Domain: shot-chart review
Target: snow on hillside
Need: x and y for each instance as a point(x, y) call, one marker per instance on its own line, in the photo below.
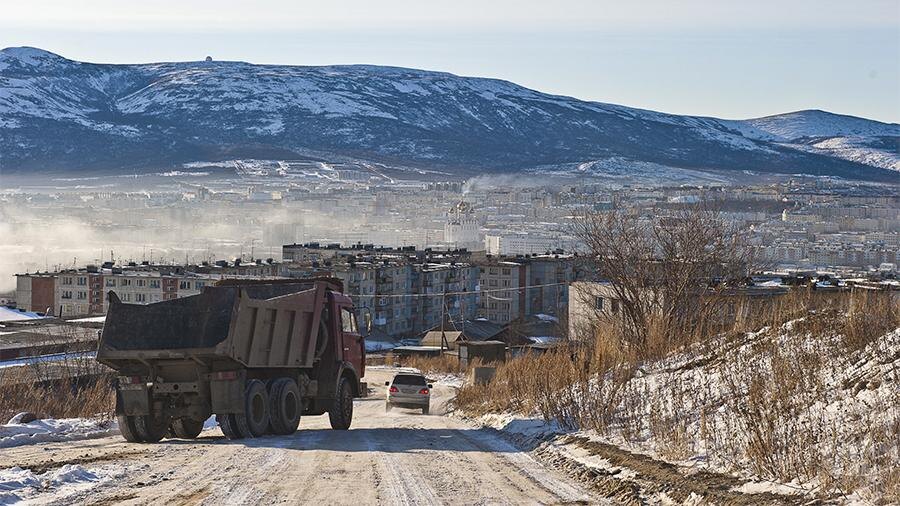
point(60, 112)
point(709, 408)
point(846, 137)
point(818, 124)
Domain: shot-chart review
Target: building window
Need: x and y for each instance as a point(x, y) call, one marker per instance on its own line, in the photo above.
point(67, 294)
point(141, 282)
point(82, 281)
point(111, 282)
point(140, 297)
point(506, 272)
point(82, 295)
point(154, 283)
point(185, 285)
point(199, 284)
point(126, 282)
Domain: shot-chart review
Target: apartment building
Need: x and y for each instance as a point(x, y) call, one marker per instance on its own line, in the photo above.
point(36, 292)
point(520, 244)
point(517, 287)
point(81, 292)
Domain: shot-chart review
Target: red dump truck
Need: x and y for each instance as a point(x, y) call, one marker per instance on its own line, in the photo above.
point(257, 354)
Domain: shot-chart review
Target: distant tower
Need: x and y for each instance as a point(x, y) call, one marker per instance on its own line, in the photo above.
point(209, 58)
point(461, 228)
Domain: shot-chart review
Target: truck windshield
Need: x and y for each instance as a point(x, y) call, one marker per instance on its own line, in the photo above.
point(409, 379)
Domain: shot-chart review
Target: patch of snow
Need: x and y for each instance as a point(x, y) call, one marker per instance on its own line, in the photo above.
point(91, 319)
point(762, 487)
point(375, 346)
point(17, 484)
point(14, 315)
point(54, 357)
point(55, 430)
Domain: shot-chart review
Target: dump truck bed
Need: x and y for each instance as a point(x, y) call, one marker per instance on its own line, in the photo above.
point(256, 324)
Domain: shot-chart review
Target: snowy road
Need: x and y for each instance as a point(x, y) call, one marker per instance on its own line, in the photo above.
point(401, 457)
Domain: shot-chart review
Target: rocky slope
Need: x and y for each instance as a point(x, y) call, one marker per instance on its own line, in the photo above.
point(57, 114)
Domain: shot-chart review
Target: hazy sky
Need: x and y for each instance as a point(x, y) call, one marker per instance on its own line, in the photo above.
point(732, 59)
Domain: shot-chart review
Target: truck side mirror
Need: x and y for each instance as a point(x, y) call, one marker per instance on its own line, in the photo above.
point(387, 383)
point(430, 386)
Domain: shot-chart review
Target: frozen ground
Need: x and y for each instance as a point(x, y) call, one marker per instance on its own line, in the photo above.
point(401, 457)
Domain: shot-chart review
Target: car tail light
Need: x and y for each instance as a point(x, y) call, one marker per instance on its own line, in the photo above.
point(394, 390)
point(225, 375)
point(424, 391)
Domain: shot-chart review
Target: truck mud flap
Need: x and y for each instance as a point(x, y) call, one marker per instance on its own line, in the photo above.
point(133, 400)
point(227, 396)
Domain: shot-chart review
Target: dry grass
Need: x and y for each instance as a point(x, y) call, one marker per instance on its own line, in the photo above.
point(432, 365)
point(73, 385)
point(63, 398)
point(748, 401)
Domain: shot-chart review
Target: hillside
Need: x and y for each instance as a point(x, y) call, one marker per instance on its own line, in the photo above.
point(57, 114)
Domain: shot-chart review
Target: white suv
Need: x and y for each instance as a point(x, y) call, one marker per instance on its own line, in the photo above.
point(408, 390)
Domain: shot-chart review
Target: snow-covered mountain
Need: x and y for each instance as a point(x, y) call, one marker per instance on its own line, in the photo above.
point(59, 114)
point(847, 137)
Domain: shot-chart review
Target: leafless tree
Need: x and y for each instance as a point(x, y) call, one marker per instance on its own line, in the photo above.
point(666, 274)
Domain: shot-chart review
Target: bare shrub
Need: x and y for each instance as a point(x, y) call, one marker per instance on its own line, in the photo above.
point(73, 384)
point(433, 365)
point(870, 315)
point(61, 398)
point(665, 274)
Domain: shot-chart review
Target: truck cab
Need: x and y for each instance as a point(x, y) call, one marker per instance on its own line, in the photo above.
point(352, 347)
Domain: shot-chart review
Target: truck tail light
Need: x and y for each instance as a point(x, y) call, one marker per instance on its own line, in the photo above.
point(394, 390)
point(225, 375)
point(424, 391)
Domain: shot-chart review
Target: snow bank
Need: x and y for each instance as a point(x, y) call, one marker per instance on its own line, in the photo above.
point(55, 430)
point(17, 484)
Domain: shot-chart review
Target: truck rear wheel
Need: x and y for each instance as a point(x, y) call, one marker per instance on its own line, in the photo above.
point(254, 421)
point(126, 427)
point(341, 413)
point(186, 428)
point(285, 406)
point(229, 426)
point(149, 429)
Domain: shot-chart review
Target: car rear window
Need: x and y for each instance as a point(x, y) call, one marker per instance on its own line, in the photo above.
point(409, 379)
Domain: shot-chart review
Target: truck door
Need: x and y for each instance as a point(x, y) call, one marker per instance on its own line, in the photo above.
point(351, 340)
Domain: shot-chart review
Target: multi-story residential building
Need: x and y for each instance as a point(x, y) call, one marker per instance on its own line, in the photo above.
point(517, 287)
point(78, 292)
point(36, 292)
point(520, 244)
